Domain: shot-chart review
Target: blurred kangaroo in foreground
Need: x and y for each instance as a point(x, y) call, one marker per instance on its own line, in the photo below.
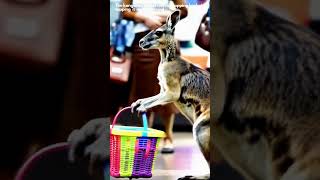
point(182, 83)
point(266, 93)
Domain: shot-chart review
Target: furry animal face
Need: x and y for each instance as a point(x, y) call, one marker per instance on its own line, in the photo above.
point(163, 36)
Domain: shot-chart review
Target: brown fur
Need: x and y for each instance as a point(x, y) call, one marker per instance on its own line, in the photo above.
point(266, 92)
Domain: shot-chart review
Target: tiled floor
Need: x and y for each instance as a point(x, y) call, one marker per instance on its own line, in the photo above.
point(187, 160)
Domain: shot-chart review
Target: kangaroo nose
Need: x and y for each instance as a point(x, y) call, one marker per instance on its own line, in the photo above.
point(141, 42)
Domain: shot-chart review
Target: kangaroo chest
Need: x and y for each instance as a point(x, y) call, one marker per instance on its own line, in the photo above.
point(161, 78)
point(167, 75)
point(187, 110)
point(167, 72)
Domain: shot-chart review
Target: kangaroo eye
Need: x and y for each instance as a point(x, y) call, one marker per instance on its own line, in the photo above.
point(158, 33)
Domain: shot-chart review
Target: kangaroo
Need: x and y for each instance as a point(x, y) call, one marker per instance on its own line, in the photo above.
point(266, 93)
point(182, 83)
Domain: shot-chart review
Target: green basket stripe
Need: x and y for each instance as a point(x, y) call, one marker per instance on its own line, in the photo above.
point(127, 152)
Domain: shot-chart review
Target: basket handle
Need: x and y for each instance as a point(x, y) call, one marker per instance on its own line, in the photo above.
point(144, 120)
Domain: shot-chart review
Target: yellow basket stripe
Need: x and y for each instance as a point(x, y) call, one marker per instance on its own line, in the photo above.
point(136, 131)
point(127, 155)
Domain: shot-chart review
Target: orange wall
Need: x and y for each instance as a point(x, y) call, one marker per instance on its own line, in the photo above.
point(298, 9)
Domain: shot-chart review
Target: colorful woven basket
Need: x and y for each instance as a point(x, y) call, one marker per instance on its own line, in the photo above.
point(133, 150)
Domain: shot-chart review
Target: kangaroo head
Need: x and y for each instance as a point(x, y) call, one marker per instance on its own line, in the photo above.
point(161, 37)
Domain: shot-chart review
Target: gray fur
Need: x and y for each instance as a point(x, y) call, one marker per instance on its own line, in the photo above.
point(267, 73)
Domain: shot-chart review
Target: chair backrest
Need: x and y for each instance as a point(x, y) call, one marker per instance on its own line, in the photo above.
point(51, 163)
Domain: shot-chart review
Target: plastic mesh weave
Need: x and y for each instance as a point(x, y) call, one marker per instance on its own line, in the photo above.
point(132, 156)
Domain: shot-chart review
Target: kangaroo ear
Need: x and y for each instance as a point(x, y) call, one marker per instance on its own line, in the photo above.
point(173, 19)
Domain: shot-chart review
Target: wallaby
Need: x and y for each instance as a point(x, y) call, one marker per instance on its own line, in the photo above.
point(266, 93)
point(182, 83)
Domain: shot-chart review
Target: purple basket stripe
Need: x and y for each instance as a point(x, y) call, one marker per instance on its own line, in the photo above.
point(142, 163)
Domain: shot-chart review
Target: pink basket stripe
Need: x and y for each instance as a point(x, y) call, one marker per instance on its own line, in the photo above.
point(115, 155)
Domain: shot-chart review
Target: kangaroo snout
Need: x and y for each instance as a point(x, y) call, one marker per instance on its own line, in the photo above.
point(145, 44)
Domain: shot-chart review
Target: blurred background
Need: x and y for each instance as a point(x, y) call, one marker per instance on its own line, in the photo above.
point(54, 73)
